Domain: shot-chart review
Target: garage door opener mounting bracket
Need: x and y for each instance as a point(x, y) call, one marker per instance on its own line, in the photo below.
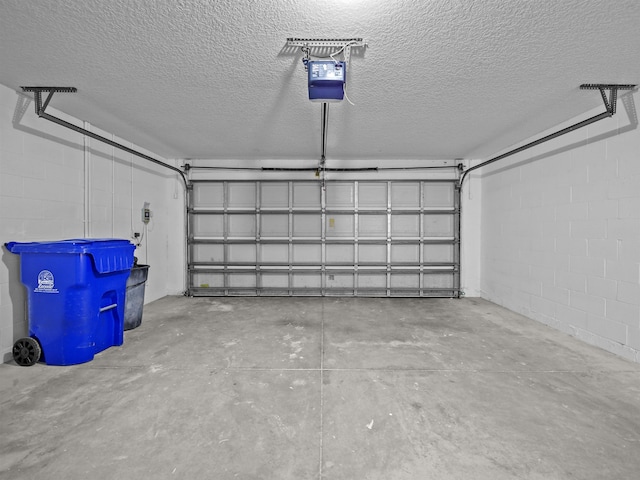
point(325, 45)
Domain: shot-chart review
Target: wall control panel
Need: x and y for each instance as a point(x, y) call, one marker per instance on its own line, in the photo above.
point(146, 213)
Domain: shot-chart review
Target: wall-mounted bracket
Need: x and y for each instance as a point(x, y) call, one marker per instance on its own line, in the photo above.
point(610, 106)
point(324, 45)
point(40, 107)
point(609, 103)
point(40, 111)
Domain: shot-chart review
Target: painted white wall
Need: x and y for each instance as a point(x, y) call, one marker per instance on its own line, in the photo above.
point(561, 231)
point(43, 171)
point(471, 228)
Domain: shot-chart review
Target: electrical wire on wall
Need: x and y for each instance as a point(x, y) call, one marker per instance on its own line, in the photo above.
point(137, 239)
point(146, 221)
point(113, 188)
point(131, 198)
point(87, 182)
point(146, 244)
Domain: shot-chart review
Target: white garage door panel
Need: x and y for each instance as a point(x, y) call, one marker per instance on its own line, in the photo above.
point(405, 195)
point(241, 195)
point(241, 253)
point(372, 196)
point(405, 281)
point(440, 280)
point(439, 196)
point(242, 281)
point(306, 195)
point(340, 280)
point(304, 254)
point(274, 225)
point(438, 253)
point(208, 226)
point(209, 195)
point(242, 226)
point(372, 226)
point(369, 238)
point(307, 281)
point(339, 254)
point(438, 226)
point(274, 254)
point(208, 280)
point(274, 195)
point(405, 226)
point(306, 225)
point(368, 254)
point(340, 226)
point(208, 253)
point(372, 281)
point(276, 281)
point(405, 254)
point(340, 195)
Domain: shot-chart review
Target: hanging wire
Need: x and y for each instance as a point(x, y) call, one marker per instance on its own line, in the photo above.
point(332, 55)
point(307, 55)
point(344, 88)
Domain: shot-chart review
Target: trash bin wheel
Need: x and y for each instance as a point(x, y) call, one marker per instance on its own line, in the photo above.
point(26, 351)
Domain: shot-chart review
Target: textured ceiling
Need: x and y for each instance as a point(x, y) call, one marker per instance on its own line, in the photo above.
point(440, 79)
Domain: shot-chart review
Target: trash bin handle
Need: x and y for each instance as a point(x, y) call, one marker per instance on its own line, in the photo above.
point(108, 307)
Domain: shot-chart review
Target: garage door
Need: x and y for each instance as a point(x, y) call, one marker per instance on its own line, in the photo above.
point(350, 238)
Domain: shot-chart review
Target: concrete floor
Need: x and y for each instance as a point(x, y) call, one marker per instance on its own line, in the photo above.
point(340, 389)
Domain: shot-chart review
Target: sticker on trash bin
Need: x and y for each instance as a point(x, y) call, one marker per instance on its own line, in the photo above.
point(46, 283)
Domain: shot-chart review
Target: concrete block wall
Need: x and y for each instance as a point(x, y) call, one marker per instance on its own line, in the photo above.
point(52, 188)
point(561, 231)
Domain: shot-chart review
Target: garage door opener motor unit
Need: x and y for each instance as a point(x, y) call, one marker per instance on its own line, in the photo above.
point(326, 79)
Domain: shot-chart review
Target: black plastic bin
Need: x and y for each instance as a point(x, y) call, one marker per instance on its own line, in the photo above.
point(135, 296)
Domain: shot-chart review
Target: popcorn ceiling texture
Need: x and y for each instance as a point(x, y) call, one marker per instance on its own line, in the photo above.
point(441, 79)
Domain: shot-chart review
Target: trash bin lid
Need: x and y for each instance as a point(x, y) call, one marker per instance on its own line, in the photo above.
point(109, 254)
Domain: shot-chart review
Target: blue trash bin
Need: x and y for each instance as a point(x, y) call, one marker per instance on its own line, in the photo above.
point(76, 297)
